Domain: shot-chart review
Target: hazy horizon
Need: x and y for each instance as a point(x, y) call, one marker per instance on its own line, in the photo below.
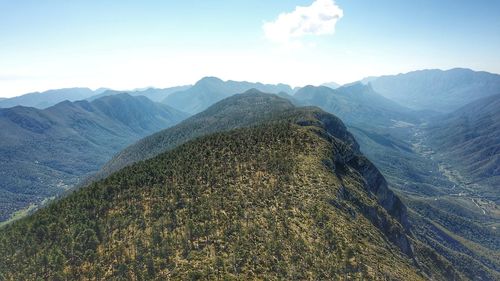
point(194, 82)
point(56, 44)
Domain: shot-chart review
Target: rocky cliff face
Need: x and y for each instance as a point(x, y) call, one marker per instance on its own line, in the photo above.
point(346, 159)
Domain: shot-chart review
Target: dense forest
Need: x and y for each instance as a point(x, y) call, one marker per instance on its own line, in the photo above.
point(287, 199)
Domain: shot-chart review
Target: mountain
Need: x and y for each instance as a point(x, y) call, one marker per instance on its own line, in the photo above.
point(49, 98)
point(290, 198)
point(437, 90)
point(445, 213)
point(210, 90)
point(45, 152)
point(153, 94)
point(470, 138)
point(355, 104)
point(237, 111)
point(332, 85)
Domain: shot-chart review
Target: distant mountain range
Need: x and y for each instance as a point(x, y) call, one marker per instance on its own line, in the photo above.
point(356, 104)
point(210, 90)
point(153, 94)
point(332, 85)
point(438, 90)
point(49, 98)
point(44, 152)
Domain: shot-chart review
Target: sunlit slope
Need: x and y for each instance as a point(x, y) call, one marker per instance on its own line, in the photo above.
point(291, 198)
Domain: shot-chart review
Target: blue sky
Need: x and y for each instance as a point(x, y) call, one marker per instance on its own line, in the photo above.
point(133, 44)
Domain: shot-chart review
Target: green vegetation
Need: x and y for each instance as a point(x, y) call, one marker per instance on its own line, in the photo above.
point(288, 199)
point(241, 110)
point(420, 164)
point(45, 152)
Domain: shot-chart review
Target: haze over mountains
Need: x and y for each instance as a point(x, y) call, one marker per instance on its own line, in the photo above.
point(45, 152)
point(442, 166)
point(438, 90)
point(153, 94)
point(470, 136)
point(356, 104)
point(48, 98)
point(210, 90)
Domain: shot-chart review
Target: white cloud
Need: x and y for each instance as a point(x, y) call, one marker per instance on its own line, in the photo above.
point(319, 18)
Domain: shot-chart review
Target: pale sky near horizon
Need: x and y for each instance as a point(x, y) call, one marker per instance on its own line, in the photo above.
point(134, 44)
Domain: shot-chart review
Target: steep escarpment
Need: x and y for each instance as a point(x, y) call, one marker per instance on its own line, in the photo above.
point(346, 158)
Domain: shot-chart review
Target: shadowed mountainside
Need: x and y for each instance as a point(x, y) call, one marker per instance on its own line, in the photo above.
point(44, 152)
point(470, 138)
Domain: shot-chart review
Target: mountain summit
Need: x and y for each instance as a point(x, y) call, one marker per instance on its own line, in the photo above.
point(210, 90)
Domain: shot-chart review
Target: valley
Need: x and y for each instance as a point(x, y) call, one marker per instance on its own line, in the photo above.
point(462, 189)
point(46, 152)
point(454, 201)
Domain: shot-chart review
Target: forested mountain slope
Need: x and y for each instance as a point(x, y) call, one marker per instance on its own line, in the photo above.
point(290, 198)
point(458, 218)
point(237, 111)
point(44, 152)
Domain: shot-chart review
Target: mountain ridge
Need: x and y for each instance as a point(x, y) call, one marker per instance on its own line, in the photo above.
point(435, 89)
point(55, 147)
point(42, 100)
point(221, 116)
point(291, 178)
point(210, 90)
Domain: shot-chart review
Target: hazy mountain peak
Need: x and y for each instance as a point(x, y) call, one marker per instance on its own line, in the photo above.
point(210, 90)
point(252, 91)
point(332, 85)
point(119, 96)
point(209, 80)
